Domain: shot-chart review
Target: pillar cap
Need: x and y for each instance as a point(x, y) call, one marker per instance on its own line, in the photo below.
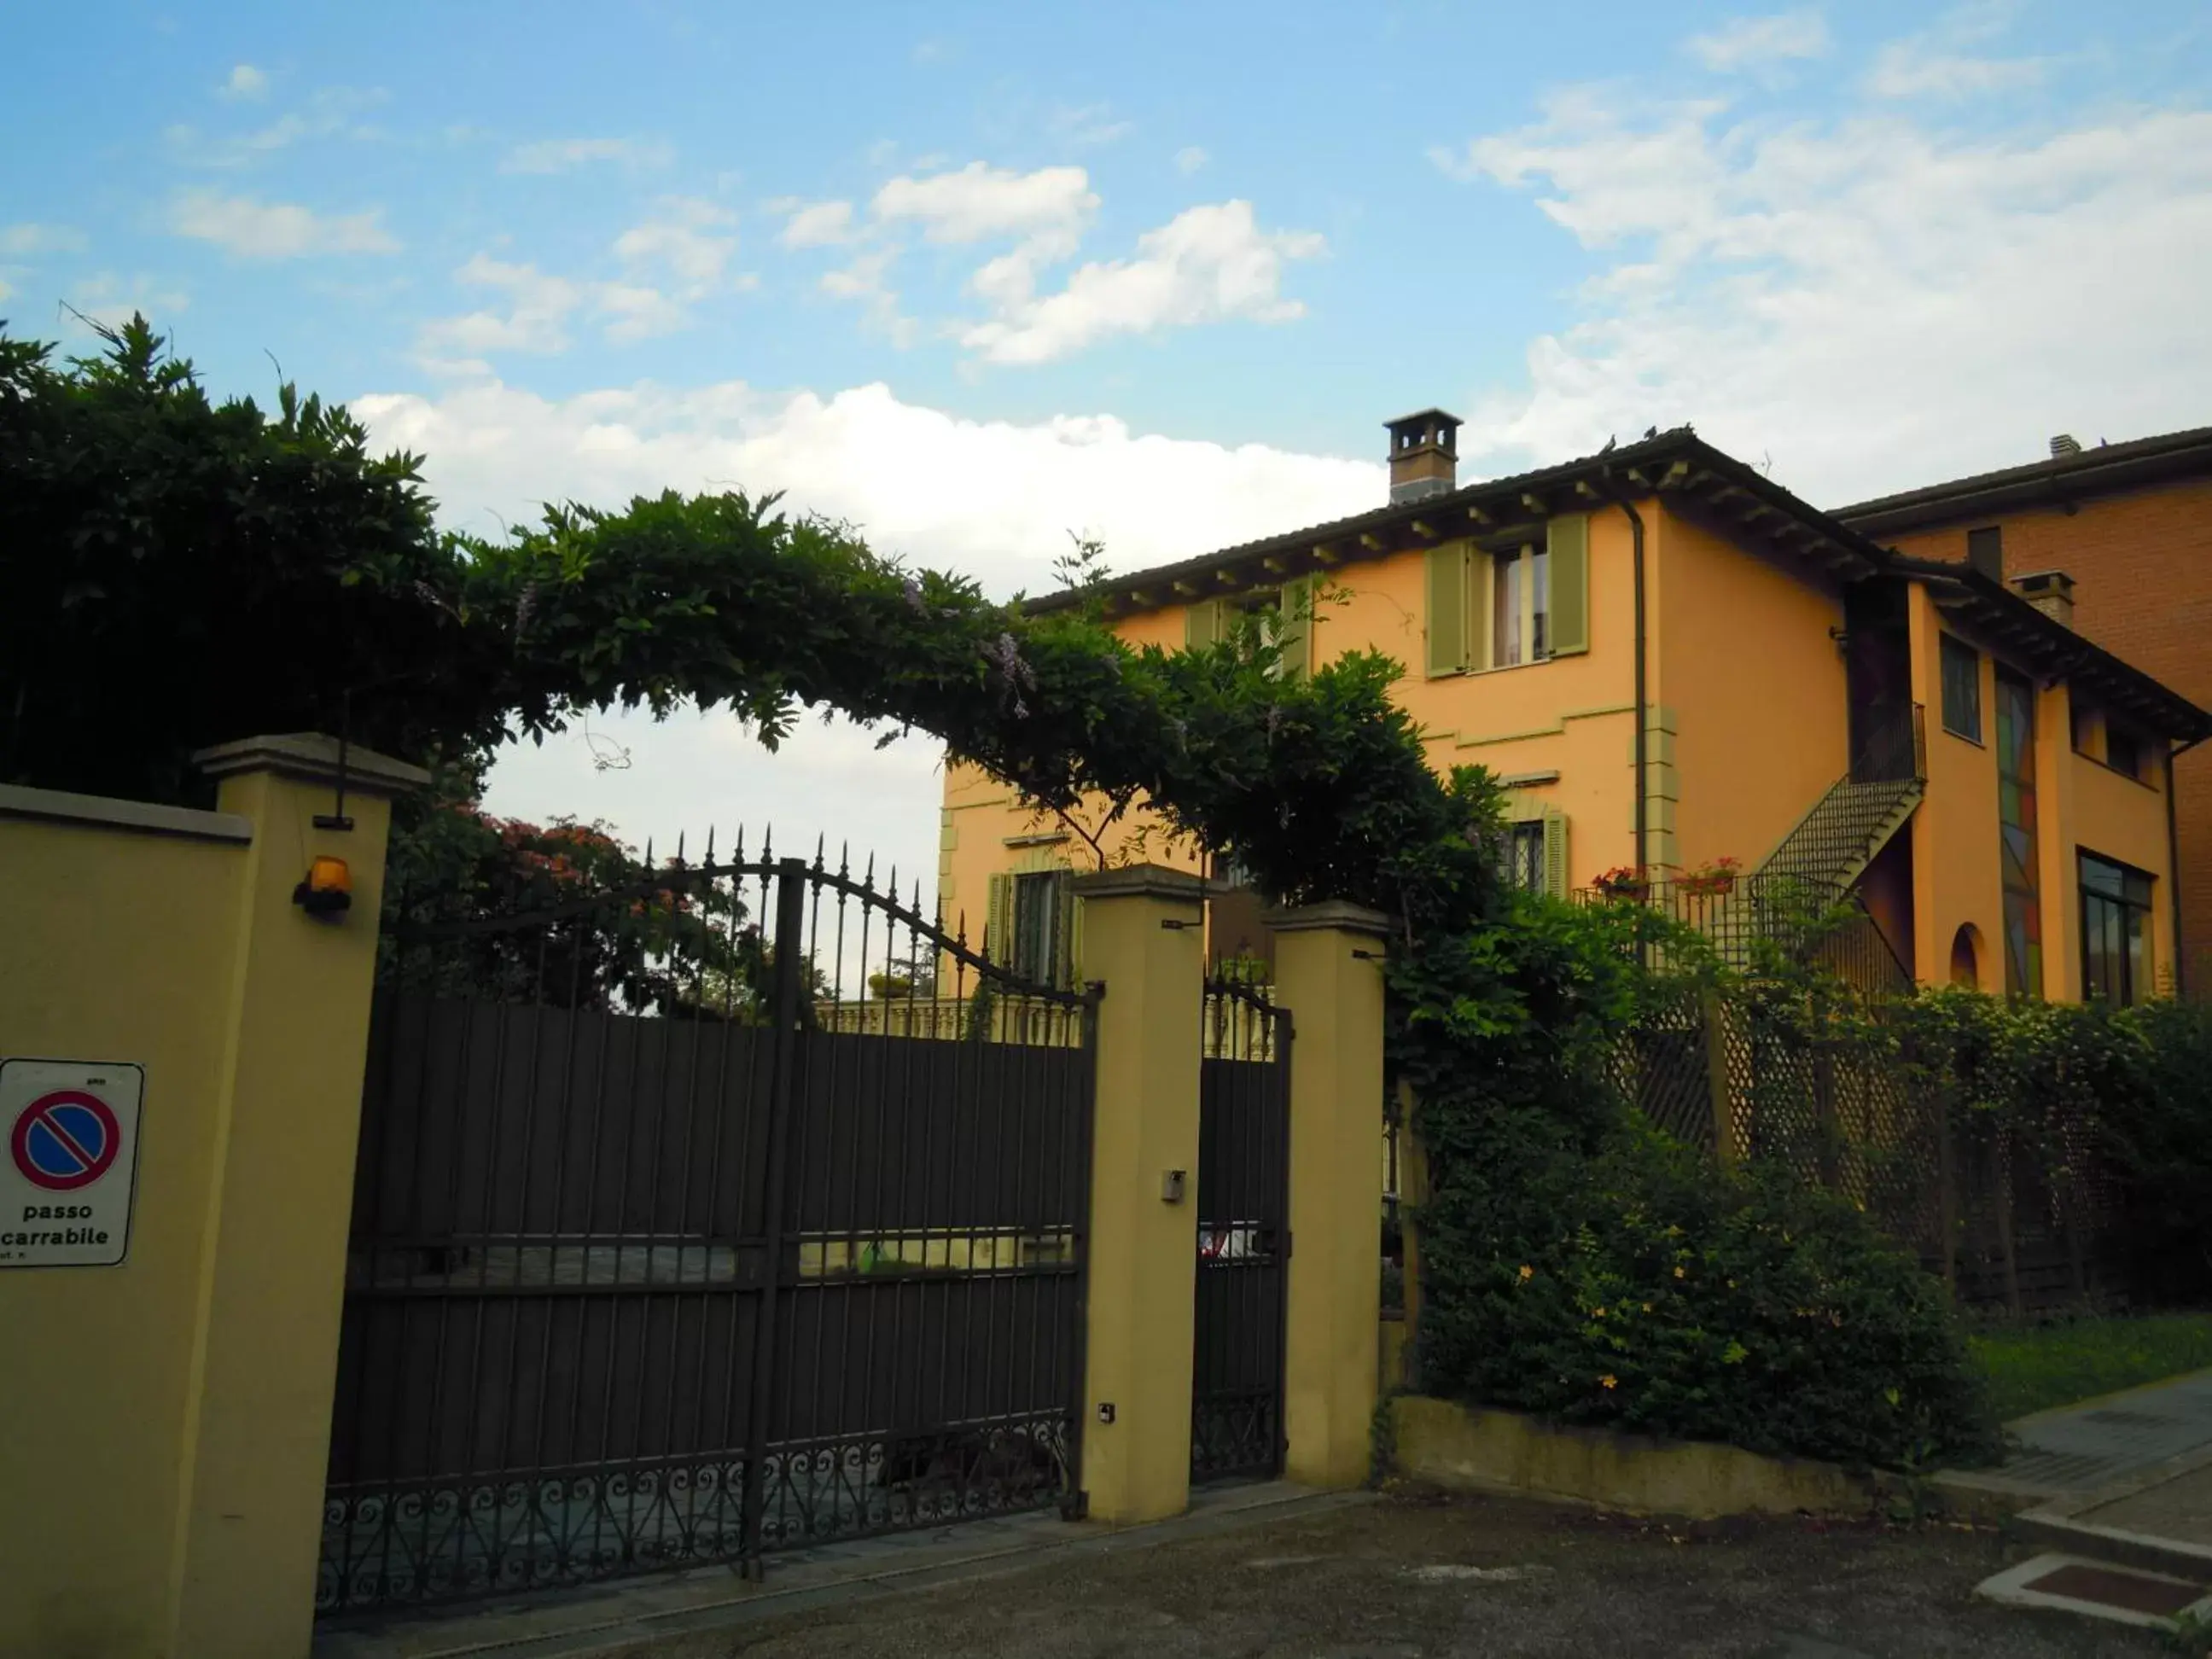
point(1340, 914)
point(312, 757)
point(1155, 881)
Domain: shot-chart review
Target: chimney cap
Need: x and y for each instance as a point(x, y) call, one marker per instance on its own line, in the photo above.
point(2065, 444)
point(1426, 426)
point(2038, 582)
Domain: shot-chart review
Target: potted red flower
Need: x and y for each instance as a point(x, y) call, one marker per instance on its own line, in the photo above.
point(1624, 882)
point(1717, 876)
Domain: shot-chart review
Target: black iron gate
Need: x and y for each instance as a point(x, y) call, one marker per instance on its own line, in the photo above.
point(1243, 1235)
point(736, 1211)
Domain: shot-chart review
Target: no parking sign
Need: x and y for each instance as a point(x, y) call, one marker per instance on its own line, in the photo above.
point(71, 1128)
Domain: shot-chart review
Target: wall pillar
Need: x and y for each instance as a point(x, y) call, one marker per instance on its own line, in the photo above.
point(258, 1411)
point(1328, 975)
point(1144, 940)
point(163, 1448)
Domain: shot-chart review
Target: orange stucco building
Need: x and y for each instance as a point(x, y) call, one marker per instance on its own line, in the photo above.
point(2115, 539)
point(1669, 661)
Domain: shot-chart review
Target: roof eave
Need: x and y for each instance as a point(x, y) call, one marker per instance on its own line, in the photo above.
point(2043, 483)
point(1673, 463)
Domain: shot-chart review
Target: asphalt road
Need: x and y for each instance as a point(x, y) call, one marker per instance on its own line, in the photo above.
point(1419, 1574)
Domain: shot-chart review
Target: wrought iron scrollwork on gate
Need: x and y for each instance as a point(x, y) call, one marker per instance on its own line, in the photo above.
point(738, 1208)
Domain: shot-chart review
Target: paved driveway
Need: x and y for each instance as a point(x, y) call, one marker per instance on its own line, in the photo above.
point(1420, 1575)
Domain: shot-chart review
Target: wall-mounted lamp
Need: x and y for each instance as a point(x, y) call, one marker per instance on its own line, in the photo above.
point(326, 891)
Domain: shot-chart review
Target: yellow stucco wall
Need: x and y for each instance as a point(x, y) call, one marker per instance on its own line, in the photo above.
point(1327, 980)
point(1749, 725)
point(1955, 880)
point(2081, 805)
point(2117, 818)
point(119, 945)
point(1142, 1292)
point(1573, 715)
point(1752, 684)
point(163, 1439)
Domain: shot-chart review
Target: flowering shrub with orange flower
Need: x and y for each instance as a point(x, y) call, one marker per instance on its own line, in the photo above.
point(661, 938)
point(1579, 1265)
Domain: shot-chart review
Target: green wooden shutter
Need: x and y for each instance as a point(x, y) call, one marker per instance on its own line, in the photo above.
point(1201, 624)
point(1555, 852)
point(1074, 934)
point(1297, 627)
point(1478, 609)
point(1567, 539)
point(999, 922)
point(1448, 609)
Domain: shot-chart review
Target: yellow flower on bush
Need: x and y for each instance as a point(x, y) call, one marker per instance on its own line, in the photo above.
point(1527, 1272)
point(1680, 1273)
point(1609, 1381)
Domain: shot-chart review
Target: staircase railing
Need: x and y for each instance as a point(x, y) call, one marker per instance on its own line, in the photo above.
point(1895, 748)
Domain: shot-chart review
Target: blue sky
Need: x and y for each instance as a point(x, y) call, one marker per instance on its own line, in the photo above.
point(971, 275)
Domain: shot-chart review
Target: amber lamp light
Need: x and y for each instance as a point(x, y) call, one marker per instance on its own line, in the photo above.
point(327, 890)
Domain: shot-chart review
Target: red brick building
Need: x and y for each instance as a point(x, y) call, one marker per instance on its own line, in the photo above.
point(2117, 540)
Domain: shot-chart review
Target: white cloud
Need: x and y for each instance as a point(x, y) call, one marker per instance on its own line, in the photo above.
point(979, 202)
point(1207, 265)
point(1937, 64)
point(23, 241)
point(565, 155)
point(1875, 303)
point(332, 112)
point(245, 82)
point(687, 240)
point(994, 500)
point(534, 319)
point(818, 224)
point(866, 282)
point(1190, 158)
point(691, 238)
point(1086, 124)
point(1751, 42)
point(276, 230)
point(635, 311)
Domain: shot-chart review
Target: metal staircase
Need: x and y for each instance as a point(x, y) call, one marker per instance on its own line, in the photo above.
point(1832, 844)
point(1817, 864)
point(1793, 893)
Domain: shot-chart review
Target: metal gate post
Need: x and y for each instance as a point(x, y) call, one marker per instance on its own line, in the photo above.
point(790, 947)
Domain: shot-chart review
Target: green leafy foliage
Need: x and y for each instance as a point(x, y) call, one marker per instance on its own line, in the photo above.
point(1579, 1265)
point(240, 572)
point(2140, 1078)
point(1641, 1288)
point(176, 573)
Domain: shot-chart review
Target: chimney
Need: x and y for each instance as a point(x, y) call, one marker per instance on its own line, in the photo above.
point(1424, 455)
point(2051, 591)
point(2063, 445)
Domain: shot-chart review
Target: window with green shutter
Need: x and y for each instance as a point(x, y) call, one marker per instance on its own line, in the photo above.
point(1448, 606)
point(1202, 624)
point(1555, 852)
point(1294, 626)
point(1567, 630)
point(999, 920)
